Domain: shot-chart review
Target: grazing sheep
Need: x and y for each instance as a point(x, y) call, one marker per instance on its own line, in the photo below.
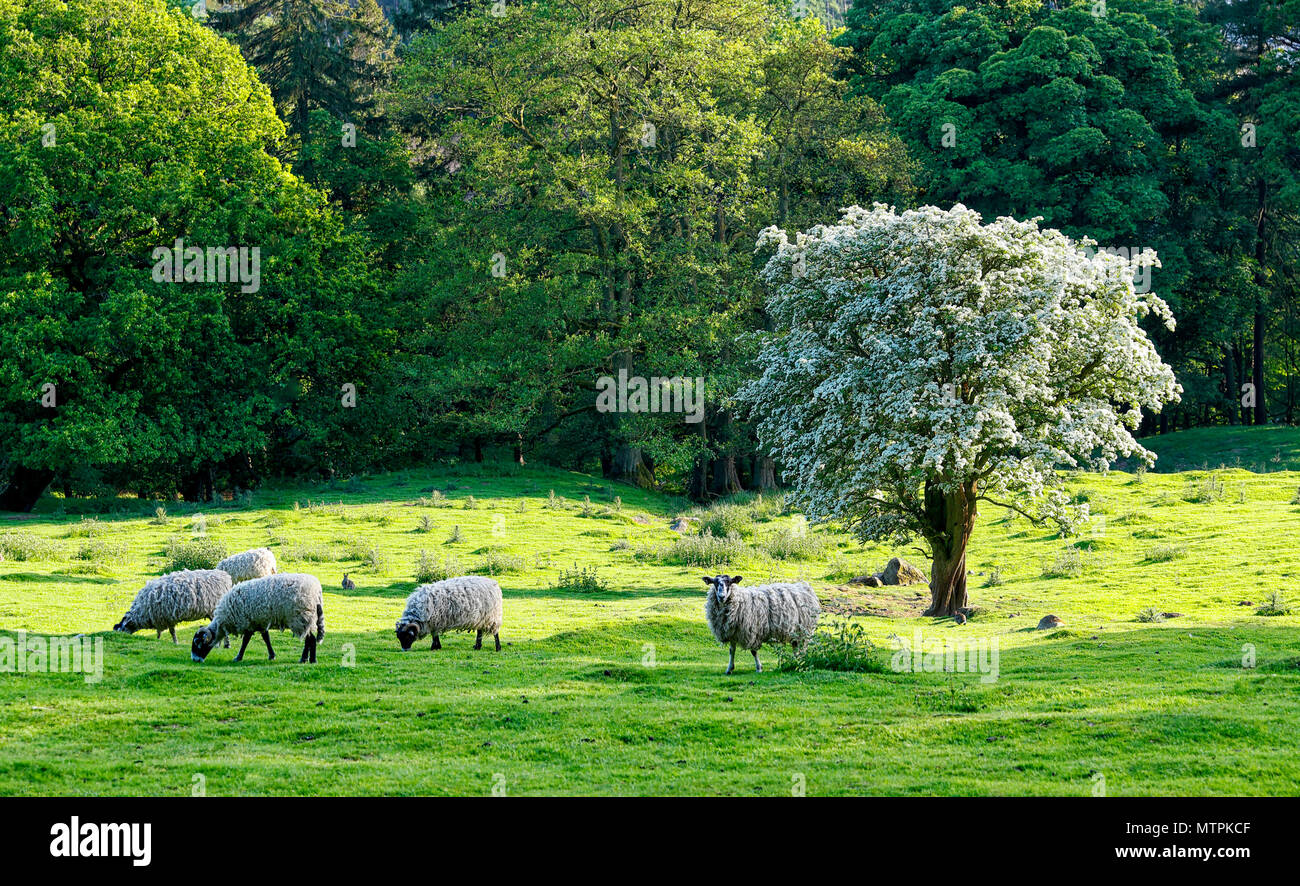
point(166, 601)
point(749, 617)
point(257, 563)
point(348, 584)
point(287, 601)
point(468, 603)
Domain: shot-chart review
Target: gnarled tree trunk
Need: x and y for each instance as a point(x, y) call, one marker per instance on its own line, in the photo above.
point(765, 473)
point(630, 465)
point(726, 479)
point(950, 519)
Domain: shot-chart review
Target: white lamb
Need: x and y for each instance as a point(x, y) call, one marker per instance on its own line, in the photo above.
point(749, 617)
point(166, 601)
point(257, 563)
point(287, 601)
point(468, 603)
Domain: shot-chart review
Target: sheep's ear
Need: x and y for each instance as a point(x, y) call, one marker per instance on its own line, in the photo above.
point(708, 579)
point(735, 579)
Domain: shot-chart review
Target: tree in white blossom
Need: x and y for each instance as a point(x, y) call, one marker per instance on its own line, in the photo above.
point(924, 362)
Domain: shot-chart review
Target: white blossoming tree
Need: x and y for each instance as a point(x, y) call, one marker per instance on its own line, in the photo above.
point(924, 362)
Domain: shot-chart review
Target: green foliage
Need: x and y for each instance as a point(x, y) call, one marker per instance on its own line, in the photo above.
point(200, 552)
point(580, 579)
point(23, 546)
point(431, 567)
point(840, 647)
point(696, 550)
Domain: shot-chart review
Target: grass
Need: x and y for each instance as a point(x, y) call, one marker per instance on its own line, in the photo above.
point(617, 688)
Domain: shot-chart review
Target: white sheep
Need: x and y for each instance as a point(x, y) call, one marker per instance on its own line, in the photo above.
point(749, 617)
point(257, 563)
point(468, 603)
point(166, 601)
point(287, 601)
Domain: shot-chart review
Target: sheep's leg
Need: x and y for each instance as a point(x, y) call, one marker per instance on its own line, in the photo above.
point(225, 642)
point(758, 665)
point(314, 641)
point(158, 634)
point(436, 644)
point(308, 648)
point(731, 661)
point(497, 637)
point(173, 632)
point(248, 635)
point(270, 653)
point(478, 640)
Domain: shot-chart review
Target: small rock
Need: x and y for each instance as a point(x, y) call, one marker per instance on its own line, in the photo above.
point(681, 524)
point(1049, 621)
point(1245, 603)
point(960, 618)
point(640, 518)
point(1173, 615)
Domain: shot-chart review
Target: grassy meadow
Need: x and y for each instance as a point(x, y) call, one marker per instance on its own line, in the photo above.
point(609, 682)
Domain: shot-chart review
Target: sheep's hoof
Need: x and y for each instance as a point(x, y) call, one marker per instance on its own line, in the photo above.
point(238, 658)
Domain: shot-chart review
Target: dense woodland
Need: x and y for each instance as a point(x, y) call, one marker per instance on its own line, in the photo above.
point(468, 213)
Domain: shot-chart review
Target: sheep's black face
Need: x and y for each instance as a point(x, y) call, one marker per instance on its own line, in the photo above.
point(204, 640)
point(125, 626)
point(406, 635)
point(722, 585)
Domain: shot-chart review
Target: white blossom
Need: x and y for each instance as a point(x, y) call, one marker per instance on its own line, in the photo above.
point(927, 346)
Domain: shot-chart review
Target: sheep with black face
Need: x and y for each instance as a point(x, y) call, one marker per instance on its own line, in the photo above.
point(165, 602)
point(750, 617)
point(467, 603)
point(285, 601)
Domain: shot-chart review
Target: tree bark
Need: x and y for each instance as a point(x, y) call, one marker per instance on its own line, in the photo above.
point(726, 479)
point(765, 474)
point(630, 466)
point(950, 518)
point(519, 450)
point(24, 488)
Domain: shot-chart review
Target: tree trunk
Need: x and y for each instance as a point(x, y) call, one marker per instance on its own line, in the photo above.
point(726, 479)
point(951, 519)
point(478, 449)
point(765, 474)
point(1261, 256)
point(24, 488)
point(630, 466)
point(1230, 381)
point(519, 450)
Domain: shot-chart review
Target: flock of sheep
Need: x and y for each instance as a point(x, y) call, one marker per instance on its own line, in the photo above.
point(245, 595)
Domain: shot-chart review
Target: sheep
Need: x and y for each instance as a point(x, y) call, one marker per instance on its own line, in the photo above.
point(166, 601)
point(750, 617)
point(468, 603)
point(257, 563)
point(288, 600)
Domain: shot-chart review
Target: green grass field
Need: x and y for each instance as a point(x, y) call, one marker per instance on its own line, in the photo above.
point(621, 691)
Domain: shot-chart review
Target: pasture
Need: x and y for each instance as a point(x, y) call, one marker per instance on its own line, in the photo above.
point(609, 682)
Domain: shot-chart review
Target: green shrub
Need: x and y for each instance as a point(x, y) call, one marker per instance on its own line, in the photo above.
point(786, 544)
point(89, 527)
point(426, 524)
point(724, 519)
point(1274, 604)
point(498, 562)
point(25, 546)
point(994, 578)
point(841, 647)
point(1151, 615)
point(621, 545)
point(1165, 553)
point(200, 552)
point(159, 516)
point(1207, 491)
point(1069, 563)
point(99, 551)
point(582, 580)
point(430, 568)
point(455, 536)
point(696, 550)
point(471, 504)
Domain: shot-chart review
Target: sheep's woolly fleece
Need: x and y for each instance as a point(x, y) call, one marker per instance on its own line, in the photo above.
point(753, 616)
point(468, 603)
point(257, 563)
point(188, 595)
point(287, 601)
